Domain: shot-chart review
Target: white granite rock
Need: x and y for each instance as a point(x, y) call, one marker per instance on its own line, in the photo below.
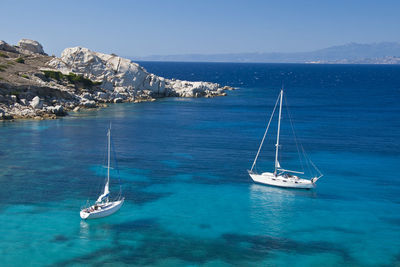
point(88, 103)
point(36, 103)
point(101, 95)
point(58, 110)
point(31, 46)
point(87, 96)
point(125, 77)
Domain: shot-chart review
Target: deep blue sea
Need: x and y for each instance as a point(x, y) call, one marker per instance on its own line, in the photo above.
point(182, 165)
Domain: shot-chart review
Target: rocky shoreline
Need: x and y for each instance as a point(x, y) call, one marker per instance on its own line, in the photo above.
point(34, 85)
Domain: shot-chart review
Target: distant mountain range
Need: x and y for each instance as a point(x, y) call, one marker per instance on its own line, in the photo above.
point(352, 53)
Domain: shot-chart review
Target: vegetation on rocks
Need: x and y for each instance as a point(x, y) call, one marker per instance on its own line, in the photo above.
point(3, 67)
point(3, 55)
point(71, 78)
point(16, 93)
point(20, 60)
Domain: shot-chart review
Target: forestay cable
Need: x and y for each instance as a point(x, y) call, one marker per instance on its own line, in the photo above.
point(265, 134)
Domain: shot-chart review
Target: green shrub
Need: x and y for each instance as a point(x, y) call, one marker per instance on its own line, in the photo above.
point(56, 75)
point(79, 79)
point(73, 78)
point(20, 60)
point(3, 67)
point(25, 76)
point(3, 55)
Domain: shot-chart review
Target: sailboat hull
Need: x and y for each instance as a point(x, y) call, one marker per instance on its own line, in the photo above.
point(269, 178)
point(106, 210)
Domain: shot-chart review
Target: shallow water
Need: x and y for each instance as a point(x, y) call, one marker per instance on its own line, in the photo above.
point(182, 166)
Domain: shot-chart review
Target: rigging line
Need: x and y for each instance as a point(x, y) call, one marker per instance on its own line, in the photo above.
point(104, 164)
point(294, 133)
point(100, 185)
point(262, 141)
point(312, 163)
point(116, 166)
point(308, 160)
point(315, 167)
point(319, 172)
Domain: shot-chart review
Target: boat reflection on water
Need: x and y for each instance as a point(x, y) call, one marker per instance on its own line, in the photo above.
point(274, 208)
point(84, 230)
point(259, 191)
point(99, 229)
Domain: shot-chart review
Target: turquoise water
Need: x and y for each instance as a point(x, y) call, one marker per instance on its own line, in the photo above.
point(183, 162)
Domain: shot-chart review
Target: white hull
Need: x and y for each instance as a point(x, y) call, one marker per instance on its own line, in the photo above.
point(106, 210)
point(269, 178)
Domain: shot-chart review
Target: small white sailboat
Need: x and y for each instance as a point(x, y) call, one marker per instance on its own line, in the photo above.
point(104, 206)
point(281, 177)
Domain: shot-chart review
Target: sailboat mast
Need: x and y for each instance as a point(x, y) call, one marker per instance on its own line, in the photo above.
point(277, 136)
point(108, 156)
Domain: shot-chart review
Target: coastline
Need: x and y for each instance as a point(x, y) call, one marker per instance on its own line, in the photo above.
point(36, 86)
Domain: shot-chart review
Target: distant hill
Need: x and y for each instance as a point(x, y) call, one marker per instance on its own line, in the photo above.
point(375, 53)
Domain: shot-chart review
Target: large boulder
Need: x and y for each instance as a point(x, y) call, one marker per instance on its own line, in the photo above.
point(14, 98)
point(31, 46)
point(87, 96)
point(36, 103)
point(57, 110)
point(121, 75)
point(101, 96)
point(118, 100)
point(6, 47)
point(88, 103)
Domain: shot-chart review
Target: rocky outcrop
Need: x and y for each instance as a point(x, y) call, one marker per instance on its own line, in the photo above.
point(126, 79)
point(31, 46)
point(57, 110)
point(34, 85)
point(6, 47)
point(36, 103)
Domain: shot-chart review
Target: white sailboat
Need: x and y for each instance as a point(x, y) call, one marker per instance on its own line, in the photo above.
point(104, 206)
point(281, 177)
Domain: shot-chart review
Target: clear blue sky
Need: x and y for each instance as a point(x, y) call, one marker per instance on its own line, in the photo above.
point(148, 27)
